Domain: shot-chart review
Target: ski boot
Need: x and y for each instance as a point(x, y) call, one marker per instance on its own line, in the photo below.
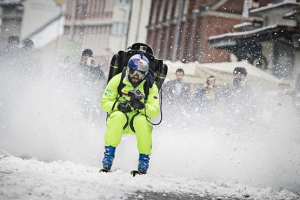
point(109, 156)
point(143, 163)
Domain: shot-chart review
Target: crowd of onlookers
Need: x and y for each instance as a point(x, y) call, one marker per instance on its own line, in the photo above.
point(235, 103)
point(20, 55)
point(22, 62)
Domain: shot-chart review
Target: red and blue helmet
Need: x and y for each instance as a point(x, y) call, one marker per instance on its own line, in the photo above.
point(138, 62)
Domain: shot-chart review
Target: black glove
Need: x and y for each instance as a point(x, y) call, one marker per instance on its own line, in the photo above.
point(136, 94)
point(135, 99)
point(124, 107)
point(137, 104)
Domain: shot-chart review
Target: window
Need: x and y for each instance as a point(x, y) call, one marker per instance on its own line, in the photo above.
point(119, 28)
point(123, 1)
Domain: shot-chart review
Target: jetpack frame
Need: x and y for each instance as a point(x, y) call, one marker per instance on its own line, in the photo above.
point(120, 60)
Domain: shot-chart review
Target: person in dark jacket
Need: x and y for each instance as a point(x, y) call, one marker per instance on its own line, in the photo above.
point(206, 96)
point(177, 90)
point(89, 67)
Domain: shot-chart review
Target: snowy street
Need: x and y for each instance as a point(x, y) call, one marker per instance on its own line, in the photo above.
point(51, 142)
point(33, 179)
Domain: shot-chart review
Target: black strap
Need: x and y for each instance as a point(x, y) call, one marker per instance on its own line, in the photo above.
point(131, 121)
point(121, 84)
point(126, 122)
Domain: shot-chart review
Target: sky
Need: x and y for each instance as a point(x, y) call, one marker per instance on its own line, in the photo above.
point(52, 143)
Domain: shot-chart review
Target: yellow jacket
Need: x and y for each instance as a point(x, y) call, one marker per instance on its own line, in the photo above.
point(110, 95)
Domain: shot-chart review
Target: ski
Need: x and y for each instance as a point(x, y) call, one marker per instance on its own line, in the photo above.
point(104, 170)
point(135, 172)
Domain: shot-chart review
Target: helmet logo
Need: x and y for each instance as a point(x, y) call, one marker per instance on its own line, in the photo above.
point(139, 63)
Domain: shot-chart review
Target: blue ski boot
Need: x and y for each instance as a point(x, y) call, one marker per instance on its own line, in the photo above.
point(109, 156)
point(143, 163)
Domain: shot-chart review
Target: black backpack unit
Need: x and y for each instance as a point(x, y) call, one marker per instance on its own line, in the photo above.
point(120, 60)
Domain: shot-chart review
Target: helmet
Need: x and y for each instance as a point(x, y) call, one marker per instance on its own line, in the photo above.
point(240, 70)
point(87, 51)
point(28, 43)
point(138, 62)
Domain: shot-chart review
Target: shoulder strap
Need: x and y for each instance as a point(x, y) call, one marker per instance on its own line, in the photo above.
point(121, 85)
point(146, 89)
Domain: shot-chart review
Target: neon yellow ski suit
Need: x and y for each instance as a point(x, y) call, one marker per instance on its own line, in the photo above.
point(134, 122)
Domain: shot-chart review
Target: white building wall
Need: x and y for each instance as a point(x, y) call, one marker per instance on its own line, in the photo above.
point(139, 21)
point(139, 18)
point(41, 15)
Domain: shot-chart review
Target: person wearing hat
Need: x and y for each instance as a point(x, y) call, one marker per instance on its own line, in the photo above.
point(239, 80)
point(12, 49)
point(89, 67)
point(206, 97)
point(130, 109)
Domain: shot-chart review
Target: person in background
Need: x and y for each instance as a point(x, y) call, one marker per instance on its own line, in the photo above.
point(28, 45)
point(177, 90)
point(206, 96)
point(239, 101)
point(176, 98)
point(10, 55)
point(12, 48)
point(30, 58)
point(89, 67)
point(240, 78)
point(129, 111)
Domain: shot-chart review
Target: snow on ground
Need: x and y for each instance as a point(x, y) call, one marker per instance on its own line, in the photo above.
point(33, 179)
point(51, 136)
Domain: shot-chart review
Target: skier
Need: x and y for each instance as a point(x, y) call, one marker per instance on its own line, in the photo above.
point(129, 112)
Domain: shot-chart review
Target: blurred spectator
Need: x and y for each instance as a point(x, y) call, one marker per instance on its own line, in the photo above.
point(9, 56)
point(12, 47)
point(30, 58)
point(89, 67)
point(177, 98)
point(239, 80)
point(239, 86)
point(92, 82)
point(240, 102)
point(177, 90)
point(207, 95)
point(28, 45)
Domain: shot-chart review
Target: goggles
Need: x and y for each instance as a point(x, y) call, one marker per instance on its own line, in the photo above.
point(134, 72)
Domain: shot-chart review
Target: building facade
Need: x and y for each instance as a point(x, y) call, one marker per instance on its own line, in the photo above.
point(180, 30)
point(210, 31)
point(105, 26)
point(270, 42)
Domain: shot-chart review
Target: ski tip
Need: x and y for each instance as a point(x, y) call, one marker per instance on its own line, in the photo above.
point(135, 172)
point(104, 170)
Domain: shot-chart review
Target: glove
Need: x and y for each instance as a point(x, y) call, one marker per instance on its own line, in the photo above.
point(137, 104)
point(124, 107)
point(136, 94)
point(135, 99)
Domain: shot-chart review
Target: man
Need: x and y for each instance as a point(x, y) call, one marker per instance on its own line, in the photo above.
point(12, 47)
point(207, 95)
point(239, 80)
point(128, 112)
point(177, 90)
point(89, 67)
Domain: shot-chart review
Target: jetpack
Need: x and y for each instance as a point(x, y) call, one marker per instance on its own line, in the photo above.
point(119, 62)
